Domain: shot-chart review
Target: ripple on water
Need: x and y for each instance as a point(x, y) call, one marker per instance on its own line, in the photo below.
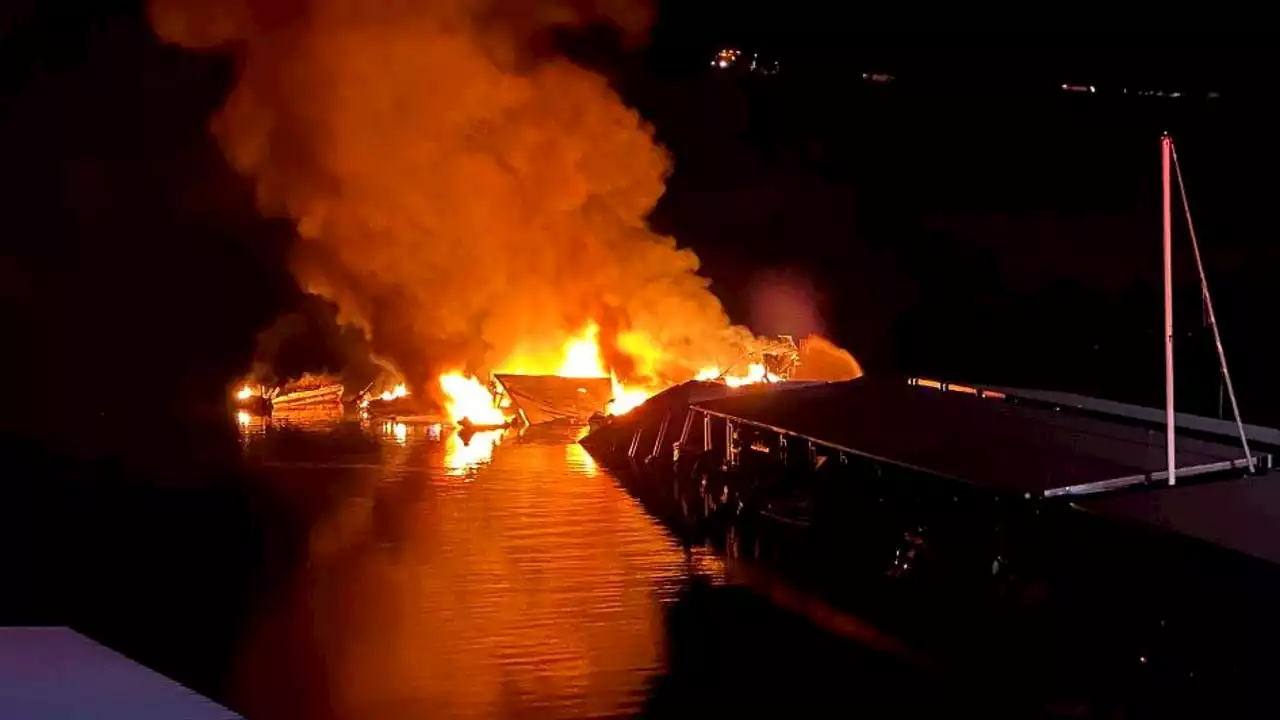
point(447, 576)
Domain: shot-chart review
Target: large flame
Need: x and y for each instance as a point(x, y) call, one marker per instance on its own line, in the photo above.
point(468, 398)
point(626, 399)
point(580, 357)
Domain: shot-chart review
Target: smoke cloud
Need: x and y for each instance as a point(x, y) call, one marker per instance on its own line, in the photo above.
point(462, 199)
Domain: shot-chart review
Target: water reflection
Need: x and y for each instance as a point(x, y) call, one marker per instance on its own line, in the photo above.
point(534, 589)
point(579, 460)
point(467, 451)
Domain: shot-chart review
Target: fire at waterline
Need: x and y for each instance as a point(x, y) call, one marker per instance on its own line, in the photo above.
point(575, 385)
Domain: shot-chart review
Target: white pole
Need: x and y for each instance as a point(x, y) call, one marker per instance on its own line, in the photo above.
point(1166, 144)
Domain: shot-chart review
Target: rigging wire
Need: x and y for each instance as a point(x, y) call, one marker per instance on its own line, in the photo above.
point(1208, 306)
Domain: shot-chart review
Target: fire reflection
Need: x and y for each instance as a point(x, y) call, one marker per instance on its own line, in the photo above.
point(536, 594)
point(466, 452)
point(579, 460)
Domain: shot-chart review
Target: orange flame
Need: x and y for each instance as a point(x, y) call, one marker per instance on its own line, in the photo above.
point(626, 399)
point(755, 373)
point(468, 398)
point(580, 357)
point(398, 391)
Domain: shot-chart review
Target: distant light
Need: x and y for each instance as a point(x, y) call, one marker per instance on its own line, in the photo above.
point(725, 58)
point(1093, 89)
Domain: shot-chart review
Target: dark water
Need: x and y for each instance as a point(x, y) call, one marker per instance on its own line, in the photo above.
point(444, 578)
point(320, 569)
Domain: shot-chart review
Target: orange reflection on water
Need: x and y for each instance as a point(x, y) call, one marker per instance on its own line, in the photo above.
point(577, 458)
point(465, 454)
point(536, 592)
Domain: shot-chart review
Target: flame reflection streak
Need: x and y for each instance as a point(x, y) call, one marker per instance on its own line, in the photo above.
point(463, 455)
point(577, 458)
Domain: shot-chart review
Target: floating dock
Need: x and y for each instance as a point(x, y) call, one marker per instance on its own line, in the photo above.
point(1032, 532)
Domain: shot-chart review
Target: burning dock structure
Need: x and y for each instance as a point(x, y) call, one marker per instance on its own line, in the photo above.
point(1029, 529)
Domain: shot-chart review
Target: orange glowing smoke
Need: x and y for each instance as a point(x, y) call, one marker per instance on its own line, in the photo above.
point(464, 199)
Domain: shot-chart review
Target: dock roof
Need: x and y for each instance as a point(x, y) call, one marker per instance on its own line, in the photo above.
point(990, 440)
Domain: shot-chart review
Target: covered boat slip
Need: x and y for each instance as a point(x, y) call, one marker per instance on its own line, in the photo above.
point(988, 439)
point(1240, 514)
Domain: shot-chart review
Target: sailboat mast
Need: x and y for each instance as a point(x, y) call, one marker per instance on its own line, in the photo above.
point(1166, 145)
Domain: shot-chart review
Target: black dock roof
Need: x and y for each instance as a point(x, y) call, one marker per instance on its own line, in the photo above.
point(988, 440)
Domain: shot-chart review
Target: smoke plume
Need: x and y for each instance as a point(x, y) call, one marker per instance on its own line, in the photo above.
point(461, 198)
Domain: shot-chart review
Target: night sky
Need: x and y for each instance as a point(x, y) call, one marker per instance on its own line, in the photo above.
point(968, 221)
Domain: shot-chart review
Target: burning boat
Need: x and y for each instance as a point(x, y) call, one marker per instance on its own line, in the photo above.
point(309, 391)
point(538, 399)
